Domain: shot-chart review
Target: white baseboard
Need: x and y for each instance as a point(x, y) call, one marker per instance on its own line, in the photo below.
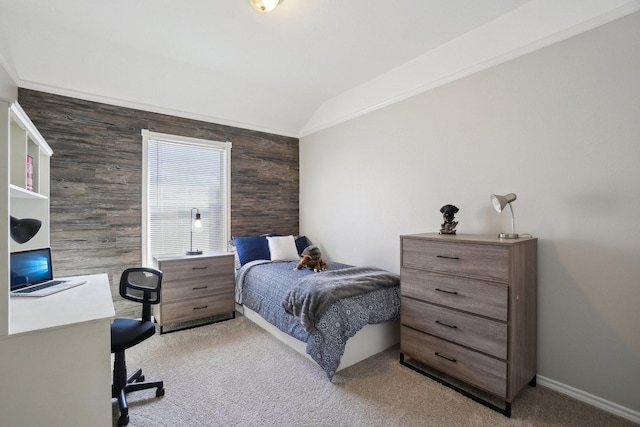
point(596, 401)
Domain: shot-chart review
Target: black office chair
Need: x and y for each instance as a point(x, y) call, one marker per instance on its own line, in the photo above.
point(142, 285)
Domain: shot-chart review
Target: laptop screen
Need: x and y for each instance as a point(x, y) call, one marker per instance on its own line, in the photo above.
point(30, 267)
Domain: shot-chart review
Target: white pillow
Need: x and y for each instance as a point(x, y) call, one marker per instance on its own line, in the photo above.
point(283, 248)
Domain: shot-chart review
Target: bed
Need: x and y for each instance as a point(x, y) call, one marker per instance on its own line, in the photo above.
point(336, 317)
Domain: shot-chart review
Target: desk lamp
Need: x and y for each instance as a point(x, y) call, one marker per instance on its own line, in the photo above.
point(196, 225)
point(499, 202)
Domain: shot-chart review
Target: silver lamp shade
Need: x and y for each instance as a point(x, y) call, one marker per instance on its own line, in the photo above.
point(499, 203)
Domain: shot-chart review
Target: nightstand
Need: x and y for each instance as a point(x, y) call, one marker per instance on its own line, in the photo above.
point(195, 288)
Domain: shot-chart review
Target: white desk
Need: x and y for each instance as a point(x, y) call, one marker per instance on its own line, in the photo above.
point(56, 361)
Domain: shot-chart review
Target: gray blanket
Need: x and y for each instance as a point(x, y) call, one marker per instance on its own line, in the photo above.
point(314, 293)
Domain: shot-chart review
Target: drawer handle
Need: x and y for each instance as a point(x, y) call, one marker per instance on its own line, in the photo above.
point(447, 292)
point(201, 307)
point(446, 324)
point(200, 287)
point(450, 359)
point(447, 257)
point(199, 268)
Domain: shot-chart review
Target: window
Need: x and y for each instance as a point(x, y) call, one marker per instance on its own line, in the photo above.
point(181, 174)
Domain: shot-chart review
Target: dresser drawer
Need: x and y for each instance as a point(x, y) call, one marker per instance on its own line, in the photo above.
point(481, 371)
point(466, 259)
point(474, 296)
point(176, 271)
point(192, 309)
point(468, 330)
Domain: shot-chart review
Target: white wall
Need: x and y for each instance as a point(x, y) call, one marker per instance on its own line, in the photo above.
point(559, 127)
point(8, 89)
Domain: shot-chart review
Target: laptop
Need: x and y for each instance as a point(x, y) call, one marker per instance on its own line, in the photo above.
point(32, 275)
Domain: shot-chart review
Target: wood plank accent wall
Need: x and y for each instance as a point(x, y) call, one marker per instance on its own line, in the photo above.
point(96, 181)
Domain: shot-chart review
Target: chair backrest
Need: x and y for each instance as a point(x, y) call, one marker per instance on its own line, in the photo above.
point(141, 284)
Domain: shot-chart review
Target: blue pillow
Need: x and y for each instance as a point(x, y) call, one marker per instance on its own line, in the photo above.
point(301, 243)
point(251, 248)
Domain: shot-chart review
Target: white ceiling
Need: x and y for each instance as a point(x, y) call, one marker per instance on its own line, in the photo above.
point(305, 66)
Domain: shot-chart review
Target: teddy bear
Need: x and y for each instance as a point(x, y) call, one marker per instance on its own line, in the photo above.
point(312, 258)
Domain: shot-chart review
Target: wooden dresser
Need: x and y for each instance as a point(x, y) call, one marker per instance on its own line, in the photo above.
point(468, 311)
point(195, 287)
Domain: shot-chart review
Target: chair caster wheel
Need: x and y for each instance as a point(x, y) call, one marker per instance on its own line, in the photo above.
point(123, 420)
point(140, 379)
point(160, 392)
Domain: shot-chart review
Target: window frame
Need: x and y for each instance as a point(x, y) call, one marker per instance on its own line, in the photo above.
point(147, 259)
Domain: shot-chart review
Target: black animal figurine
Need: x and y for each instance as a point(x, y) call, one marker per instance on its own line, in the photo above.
point(448, 214)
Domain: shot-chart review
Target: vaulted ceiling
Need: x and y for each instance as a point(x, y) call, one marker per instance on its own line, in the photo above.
point(307, 65)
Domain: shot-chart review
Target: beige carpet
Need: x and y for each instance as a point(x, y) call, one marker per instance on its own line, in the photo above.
point(235, 374)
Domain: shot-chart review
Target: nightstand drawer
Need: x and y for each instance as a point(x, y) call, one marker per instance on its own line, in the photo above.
point(466, 259)
point(481, 371)
point(193, 309)
point(176, 271)
point(474, 296)
point(468, 330)
point(197, 287)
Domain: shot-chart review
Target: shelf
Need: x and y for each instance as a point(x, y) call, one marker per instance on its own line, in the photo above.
point(22, 193)
point(25, 142)
point(20, 118)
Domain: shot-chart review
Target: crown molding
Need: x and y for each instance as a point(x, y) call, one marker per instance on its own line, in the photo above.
point(533, 26)
point(25, 84)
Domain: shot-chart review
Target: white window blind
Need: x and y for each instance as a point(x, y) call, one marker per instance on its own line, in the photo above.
point(183, 174)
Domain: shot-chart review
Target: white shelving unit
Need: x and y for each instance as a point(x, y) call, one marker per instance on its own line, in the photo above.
point(28, 201)
point(25, 140)
point(19, 138)
point(47, 338)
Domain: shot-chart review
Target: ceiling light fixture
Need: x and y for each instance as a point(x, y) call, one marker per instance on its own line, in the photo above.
point(264, 5)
